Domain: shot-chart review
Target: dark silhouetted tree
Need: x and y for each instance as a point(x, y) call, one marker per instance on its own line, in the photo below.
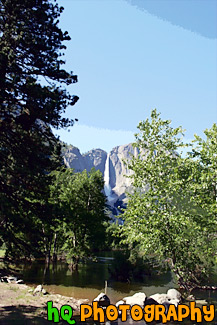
point(32, 100)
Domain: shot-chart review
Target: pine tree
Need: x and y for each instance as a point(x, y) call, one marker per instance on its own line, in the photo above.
point(32, 100)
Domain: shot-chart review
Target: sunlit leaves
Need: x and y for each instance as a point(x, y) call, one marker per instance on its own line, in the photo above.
point(172, 212)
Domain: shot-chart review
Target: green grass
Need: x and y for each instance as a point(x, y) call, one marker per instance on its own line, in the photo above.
point(14, 288)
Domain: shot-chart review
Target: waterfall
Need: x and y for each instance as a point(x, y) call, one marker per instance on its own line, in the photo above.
point(107, 187)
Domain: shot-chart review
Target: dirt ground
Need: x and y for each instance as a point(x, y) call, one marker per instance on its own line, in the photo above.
point(18, 305)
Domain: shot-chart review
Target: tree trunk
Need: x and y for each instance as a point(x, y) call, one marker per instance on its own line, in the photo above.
point(54, 258)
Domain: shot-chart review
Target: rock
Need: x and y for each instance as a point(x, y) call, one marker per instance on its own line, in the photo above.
point(166, 305)
point(150, 301)
point(136, 299)
point(201, 302)
point(12, 278)
point(190, 298)
point(103, 300)
point(5, 279)
point(120, 302)
point(174, 294)
point(82, 301)
point(119, 169)
point(160, 298)
point(93, 158)
point(174, 302)
point(73, 158)
point(164, 299)
point(38, 289)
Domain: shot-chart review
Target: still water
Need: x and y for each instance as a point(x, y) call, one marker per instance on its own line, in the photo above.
point(90, 279)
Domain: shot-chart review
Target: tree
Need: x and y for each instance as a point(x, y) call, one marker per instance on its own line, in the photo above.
point(204, 152)
point(79, 212)
point(32, 99)
point(164, 218)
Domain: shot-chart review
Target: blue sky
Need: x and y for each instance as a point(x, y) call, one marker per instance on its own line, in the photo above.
point(131, 56)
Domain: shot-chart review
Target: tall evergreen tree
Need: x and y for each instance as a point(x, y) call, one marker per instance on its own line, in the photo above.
point(32, 99)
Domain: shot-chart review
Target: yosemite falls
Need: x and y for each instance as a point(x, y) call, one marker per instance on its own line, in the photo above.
point(107, 187)
point(111, 165)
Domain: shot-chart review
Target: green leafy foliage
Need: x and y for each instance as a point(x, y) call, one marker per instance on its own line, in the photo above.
point(172, 211)
point(79, 212)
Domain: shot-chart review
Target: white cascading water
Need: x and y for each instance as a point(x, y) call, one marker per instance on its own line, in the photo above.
point(107, 187)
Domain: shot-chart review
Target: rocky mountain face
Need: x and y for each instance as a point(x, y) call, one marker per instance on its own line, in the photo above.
point(93, 158)
point(112, 165)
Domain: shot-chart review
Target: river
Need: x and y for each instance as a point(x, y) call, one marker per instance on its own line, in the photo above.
point(90, 279)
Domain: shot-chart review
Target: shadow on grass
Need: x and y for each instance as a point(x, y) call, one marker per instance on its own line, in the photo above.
point(25, 315)
point(22, 315)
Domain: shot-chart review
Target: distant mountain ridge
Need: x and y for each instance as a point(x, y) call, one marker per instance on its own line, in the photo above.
point(93, 158)
point(117, 171)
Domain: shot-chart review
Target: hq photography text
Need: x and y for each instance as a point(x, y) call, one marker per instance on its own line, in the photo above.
point(149, 313)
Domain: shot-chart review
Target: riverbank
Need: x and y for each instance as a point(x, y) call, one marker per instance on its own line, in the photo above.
point(19, 304)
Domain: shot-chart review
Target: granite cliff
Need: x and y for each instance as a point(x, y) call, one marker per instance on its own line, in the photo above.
point(112, 165)
point(93, 158)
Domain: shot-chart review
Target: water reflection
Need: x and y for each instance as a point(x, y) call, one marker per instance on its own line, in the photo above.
point(93, 274)
point(90, 278)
